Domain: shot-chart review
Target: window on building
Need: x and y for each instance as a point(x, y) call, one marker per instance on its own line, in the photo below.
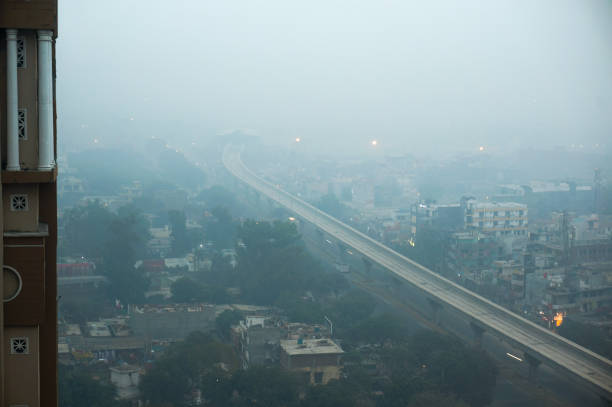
point(318, 377)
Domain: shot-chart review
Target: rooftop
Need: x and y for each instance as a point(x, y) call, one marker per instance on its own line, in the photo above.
point(498, 205)
point(310, 347)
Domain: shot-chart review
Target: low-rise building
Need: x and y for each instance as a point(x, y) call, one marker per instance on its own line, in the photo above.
point(318, 359)
point(257, 340)
point(126, 379)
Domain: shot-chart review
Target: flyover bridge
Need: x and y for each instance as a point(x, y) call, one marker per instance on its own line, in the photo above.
point(538, 344)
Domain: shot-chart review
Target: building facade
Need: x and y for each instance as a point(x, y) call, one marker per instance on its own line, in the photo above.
point(28, 319)
point(317, 359)
point(500, 218)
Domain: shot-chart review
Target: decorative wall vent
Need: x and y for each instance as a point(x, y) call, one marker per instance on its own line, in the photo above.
point(19, 202)
point(20, 346)
point(12, 283)
point(22, 119)
point(21, 53)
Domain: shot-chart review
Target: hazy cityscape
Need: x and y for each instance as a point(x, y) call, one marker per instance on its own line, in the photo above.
point(267, 203)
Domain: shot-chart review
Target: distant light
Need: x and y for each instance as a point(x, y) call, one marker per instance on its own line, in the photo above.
point(297, 139)
point(514, 357)
point(558, 318)
point(96, 141)
point(374, 143)
point(481, 148)
point(131, 119)
point(291, 218)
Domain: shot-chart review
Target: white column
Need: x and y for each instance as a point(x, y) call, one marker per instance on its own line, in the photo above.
point(45, 101)
point(12, 131)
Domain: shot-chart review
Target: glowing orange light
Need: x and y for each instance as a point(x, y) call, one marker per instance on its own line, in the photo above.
point(558, 319)
point(374, 142)
point(481, 148)
point(297, 139)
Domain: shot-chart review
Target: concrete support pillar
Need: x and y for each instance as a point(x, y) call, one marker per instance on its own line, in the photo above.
point(533, 367)
point(478, 331)
point(46, 155)
point(12, 102)
point(436, 307)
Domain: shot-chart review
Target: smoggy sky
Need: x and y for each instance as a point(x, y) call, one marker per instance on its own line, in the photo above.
point(434, 75)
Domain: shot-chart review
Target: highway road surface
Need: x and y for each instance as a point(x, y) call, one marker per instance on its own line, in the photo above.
point(540, 344)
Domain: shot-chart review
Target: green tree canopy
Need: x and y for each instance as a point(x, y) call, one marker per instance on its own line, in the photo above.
point(225, 320)
point(77, 388)
point(86, 230)
point(187, 366)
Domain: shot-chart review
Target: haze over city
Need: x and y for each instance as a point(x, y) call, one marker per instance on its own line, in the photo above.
point(421, 77)
point(306, 204)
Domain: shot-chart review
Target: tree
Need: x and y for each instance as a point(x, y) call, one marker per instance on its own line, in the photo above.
point(336, 393)
point(77, 388)
point(187, 366)
point(219, 196)
point(431, 362)
point(379, 329)
point(225, 320)
point(220, 228)
point(85, 230)
point(176, 169)
point(434, 399)
point(352, 308)
point(256, 386)
point(299, 309)
point(187, 290)
point(126, 243)
point(178, 227)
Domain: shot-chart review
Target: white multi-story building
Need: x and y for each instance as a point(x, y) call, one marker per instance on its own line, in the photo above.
point(501, 218)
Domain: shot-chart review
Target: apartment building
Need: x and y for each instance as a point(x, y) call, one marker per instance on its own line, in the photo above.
point(29, 203)
point(500, 218)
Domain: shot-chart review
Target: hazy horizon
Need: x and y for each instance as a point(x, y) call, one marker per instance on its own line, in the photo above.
point(422, 77)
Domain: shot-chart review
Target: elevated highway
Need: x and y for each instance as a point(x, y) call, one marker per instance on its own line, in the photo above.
point(538, 344)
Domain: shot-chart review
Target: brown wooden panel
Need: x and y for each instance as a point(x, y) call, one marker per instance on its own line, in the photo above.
point(29, 306)
point(33, 14)
point(24, 241)
point(28, 177)
point(48, 327)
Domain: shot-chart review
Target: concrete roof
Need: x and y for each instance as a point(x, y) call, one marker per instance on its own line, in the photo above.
point(310, 347)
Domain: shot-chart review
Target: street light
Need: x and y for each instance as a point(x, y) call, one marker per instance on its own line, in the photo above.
point(374, 143)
